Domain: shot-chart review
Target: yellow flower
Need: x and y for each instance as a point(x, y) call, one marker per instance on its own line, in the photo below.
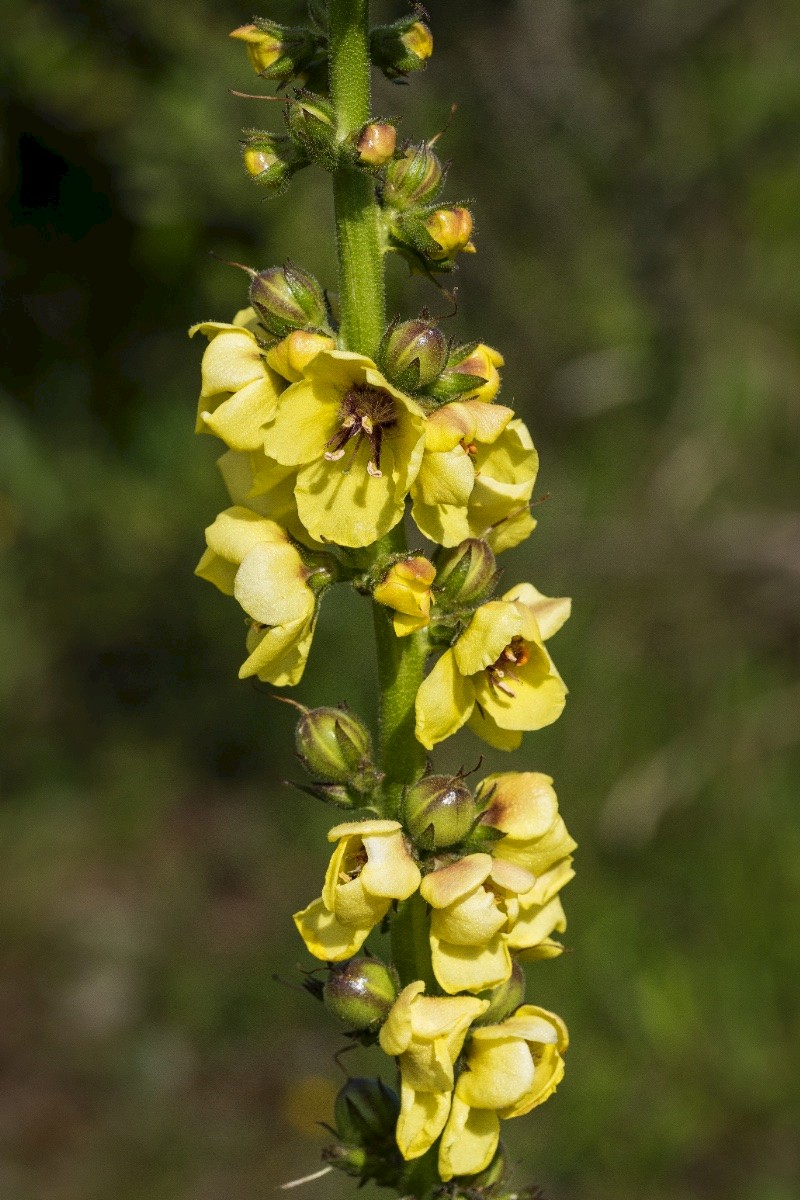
point(253, 559)
point(406, 587)
point(259, 483)
point(524, 807)
point(476, 477)
point(356, 443)
point(510, 1069)
point(425, 1034)
point(474, 902)
point(263, 49)
point(239, 392)
point(291, 355)
point(370, 867)
point(498, 676)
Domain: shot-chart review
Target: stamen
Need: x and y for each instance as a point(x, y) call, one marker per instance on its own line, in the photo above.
point(374, 470)
point(334, 455)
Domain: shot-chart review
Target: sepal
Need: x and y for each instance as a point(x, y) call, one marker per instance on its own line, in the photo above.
point(403, 47)
point(311, 122)
point(272, 159)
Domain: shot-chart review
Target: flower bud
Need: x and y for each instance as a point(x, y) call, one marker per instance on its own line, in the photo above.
point(505, 999)
point(401, 48)
point(451, 230)
point(271, 159)
point(360, 992)
point(333, 745)
point(406, 587)
point(292, 354)
point(439, 811)
point(470, 374)
point(278, 52)
point(466, 575)
point(350, 1159)
point(365, 1112)
point(413, 178)
point(288, 298)
point(413, 354)
point(376, 143)
point(312, 127)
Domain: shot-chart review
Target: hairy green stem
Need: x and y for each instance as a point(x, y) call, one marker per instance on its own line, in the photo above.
point(411, 949)
point(358, 233)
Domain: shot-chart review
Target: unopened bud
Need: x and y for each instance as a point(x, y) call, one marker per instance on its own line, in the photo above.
point(288, 298)
point(451, 230)
point(365, 1111)
point(466, 575)
point(360, 992)
point(413, 178)
point(376, 143)
point(505, 999)
point(292, 354)
point(401, 48)
point(312, 126)
point(333, 745)
point(350, 1159)
point(271, 159)
point(406, 588)
point(439, 811)
point(470, 374)
point(413, 354)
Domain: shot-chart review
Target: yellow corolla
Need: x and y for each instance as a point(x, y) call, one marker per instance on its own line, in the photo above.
point(524, 807)
point(498, 676)
point(259, 483)
point(477, 476)
point(406, 588)
point(239, 392)
point(425, 1034)
point(370, 867)
point(510, 1068)
point(356, 443)
point(254, 559)
point(474, 903)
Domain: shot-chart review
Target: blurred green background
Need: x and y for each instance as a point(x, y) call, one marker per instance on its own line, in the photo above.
point(636, 180)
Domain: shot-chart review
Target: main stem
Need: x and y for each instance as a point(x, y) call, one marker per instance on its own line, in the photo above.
point(401, 661)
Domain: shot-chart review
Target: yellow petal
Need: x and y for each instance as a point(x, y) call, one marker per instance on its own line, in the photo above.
point(231, 360)
point(325, 937)
point(445, 478)
point(538, 695)
point(469, 1140)
point(422, 1118)
point(486, 728)
point(217, 571)
point(536, 923)
point(390, 871)
point(271, 585)
point(509, 532)
point(470, 968)
point(241, 419)
point(499, 1073)
point(448, 1018)
point(278, 655)
point(305, 421)
point(292, 354)
point(550, 612)
point(362, 828)
point(511, 878)
point(522, 804)
point(487, 635)
point(396, 1031)
point(449, 884)
point(471, 921)
point(444, 702)
point(355, 906)
point(237, 530)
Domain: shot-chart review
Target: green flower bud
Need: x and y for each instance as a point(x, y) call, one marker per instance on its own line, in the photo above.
point(350, 1159)
point(312, 127)
point(376, 143)
point(365, 1112)
point(439, 811)
point(288, 298)
point(360, 992)
point(505, 999)
point(466, 575)
point(271, 159)
point(401, 48)
point(412, 354)
point(437, 234)
point(333, 745)
point(413, 178)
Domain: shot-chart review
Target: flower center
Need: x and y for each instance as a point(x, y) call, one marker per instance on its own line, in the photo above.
point(365, 414)
point(514, 655)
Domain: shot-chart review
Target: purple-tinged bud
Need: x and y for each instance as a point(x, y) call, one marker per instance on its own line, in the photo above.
point(413, 178)
point(271, 159)
point(288, 298)
point(504, 999)
point(466, 575)
point(401, 48)
point(360, 992)
point(333, 745)
point(365, 1112)
point(412, 354)
point(439, 811)
point(376, 143)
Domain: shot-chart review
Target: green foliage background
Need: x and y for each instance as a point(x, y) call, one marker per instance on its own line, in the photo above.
point(636, 181)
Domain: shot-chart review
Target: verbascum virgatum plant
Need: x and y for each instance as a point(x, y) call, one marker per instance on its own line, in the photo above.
point(342, 432)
